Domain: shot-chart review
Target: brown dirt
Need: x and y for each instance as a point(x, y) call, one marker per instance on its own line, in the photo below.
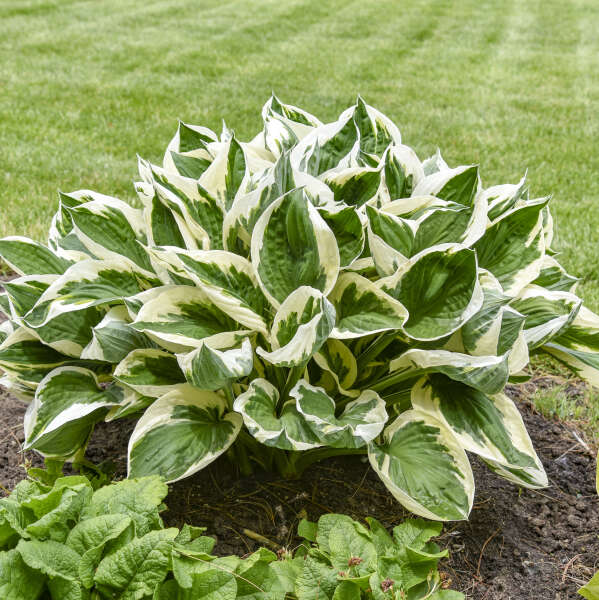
point(518, 544)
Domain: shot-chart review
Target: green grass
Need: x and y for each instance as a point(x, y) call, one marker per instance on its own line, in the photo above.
point(557, 394)
point(511, 85)
point(578, 406)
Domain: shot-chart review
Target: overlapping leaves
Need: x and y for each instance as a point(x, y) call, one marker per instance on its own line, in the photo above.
point(61, 540)
point(316, 290)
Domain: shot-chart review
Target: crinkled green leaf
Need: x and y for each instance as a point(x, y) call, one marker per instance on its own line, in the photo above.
point(138, 499)
point(134, 571)
point(50, 558)
point(89, 538)
point(18, 581)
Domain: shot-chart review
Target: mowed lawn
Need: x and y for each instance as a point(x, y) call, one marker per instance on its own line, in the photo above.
point(512, 85)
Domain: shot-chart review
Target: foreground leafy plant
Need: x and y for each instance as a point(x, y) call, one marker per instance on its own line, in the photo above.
point(67, 542)
point(316, 291)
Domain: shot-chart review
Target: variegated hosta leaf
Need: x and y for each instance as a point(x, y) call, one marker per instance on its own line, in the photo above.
point(67, 404)
point(456, 185)
point(5, 305)
point(502, 198)
point(209, 369)
point(111, 229)
point(301, 326)
point(425, 467)
point(514, 246)
point(21, 348)
point(13, 385)
point(294, 117)
point(363, 308)
point(69, 332)
point(376, 130)
point(27, 257)
point(181, 433)
point(450, 222)
point(248, 207)
point(327, 147)
point(578, 346)
point(293, 246)
point(440, 290)
point(354, 186)
point(228, 273)
point(227, 174)
point(150, 372)
point(488, 374)
point(547, 223)
point(273, 425)
point(434, 163)
point(546, 313)
point(85, 284)
point(182, 317)
point(338, 360)
point(114, 338)
point(62, 239)
point(130, 403)
point(404, 228)
point(6, 328)
point(402, 171)
point(554, 277)
point(390, 238)
point(488, 425)
point(187, 153)
point(135, 303)
point(23, 292)
point(24, 358)
point(278, 135)
point(361, 421)
point(198, 213)
point(347, 226)
point(162, 226)
point(495, 327)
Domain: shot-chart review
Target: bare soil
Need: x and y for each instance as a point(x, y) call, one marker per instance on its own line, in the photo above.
point(518, 544)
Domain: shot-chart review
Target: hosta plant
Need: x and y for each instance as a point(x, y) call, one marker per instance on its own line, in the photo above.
point(318, 290)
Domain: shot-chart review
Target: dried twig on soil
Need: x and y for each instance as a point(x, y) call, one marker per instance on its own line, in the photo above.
point(568, 565)
point(482, 550)
point(261, 539)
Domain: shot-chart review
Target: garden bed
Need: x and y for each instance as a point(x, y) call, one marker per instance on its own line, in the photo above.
point(517, 541)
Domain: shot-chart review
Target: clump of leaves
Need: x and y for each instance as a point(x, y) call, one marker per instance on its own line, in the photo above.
point(347, 561)
point(318, 290)
point(66, 541)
